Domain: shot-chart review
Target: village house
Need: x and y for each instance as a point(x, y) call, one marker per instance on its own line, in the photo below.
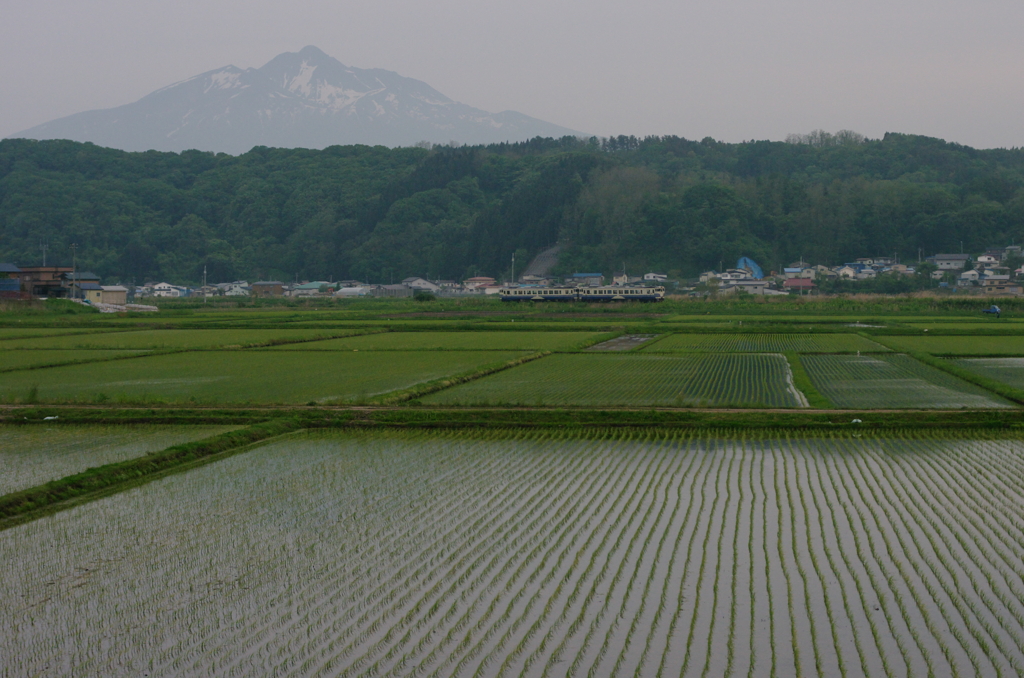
point(267, 288)
point(10, 282)
point(802, 285)
point(87, 291)
point(421, 285)
point(44, 281)
point(758, 287)
point(351, 291)
point(114, 294)
point(310, 289)
point(1001, 287)
point(238, 288)
point(163, 289)
point(655, 277)
point(70, 280)
point(949, 262)
point(848, 272)
point(968, 278)
point(478, 281)
point(586, 279)
point(391, 291)
point(824, 272)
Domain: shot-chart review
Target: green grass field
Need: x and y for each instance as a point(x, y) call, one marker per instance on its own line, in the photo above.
point(634, 379)
point(432, 341)
point(16, 360)
point(960, 345)
point(190, 338)
point(244, 376)
point(1010, 371)
point(892, 381)
point(754, 343)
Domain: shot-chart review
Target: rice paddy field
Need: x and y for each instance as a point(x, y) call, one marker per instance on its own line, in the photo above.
point(449, 341)
point(536, 554)
point(1010, 371)
point(23, 332)
point(173, 339)
point(635, 379)
point(892, 381)
point(960, 345)
point(28, 358)
point(243, 376)
point(754, 343)
point(33, 455)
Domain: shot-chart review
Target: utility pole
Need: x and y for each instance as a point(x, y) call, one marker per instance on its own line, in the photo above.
point(513, 267)
point(74, 269)
point(44, 246)
point(204, 284)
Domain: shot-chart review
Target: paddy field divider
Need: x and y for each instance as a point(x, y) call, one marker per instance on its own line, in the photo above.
point(802, 381)
point(428, 387)
point(31, 503)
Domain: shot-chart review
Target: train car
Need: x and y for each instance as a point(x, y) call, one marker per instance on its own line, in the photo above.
point(538, 294)
point(619, 293)
point(584, 294)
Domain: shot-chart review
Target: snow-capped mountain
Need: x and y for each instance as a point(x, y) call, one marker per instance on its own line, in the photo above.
point(303, 99)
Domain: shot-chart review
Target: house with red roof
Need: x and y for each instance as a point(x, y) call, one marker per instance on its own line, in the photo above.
point(802, 285)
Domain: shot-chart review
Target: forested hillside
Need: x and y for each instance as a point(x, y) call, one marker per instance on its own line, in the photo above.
point(378, 214)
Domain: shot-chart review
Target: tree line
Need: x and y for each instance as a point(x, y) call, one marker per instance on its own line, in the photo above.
point(377, 214)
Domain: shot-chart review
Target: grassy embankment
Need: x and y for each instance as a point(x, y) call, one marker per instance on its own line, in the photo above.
point(96, 482)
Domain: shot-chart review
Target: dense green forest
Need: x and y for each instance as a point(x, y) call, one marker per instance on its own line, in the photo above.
point(377, 214)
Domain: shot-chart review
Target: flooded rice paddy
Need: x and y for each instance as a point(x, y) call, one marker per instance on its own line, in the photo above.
point(536, 555)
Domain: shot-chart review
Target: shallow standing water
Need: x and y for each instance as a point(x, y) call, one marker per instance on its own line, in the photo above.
point(434, 554)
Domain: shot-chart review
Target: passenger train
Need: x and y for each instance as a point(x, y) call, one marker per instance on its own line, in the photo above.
point(585, 294)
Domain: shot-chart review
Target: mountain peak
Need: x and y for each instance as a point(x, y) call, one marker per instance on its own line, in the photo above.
point(303, 99)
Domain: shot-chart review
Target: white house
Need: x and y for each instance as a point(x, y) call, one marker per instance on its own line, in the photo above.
point(968, 278)
point(167, 290)
point(949, 262)
point(479, 281)
point(760, 287)
point(848, 272)
point(655, 277)
point(238, 288)
point(421, 284)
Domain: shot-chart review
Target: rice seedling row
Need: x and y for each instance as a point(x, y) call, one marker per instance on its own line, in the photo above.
point(34, 455)
point(537, 554)
point(897, 381)
point(960, 345)
point(609, 379)
point(773, 343)
point(937, 574)
point(1009, 371)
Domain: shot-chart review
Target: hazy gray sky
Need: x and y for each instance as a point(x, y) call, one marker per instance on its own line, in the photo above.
point(729, 69)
